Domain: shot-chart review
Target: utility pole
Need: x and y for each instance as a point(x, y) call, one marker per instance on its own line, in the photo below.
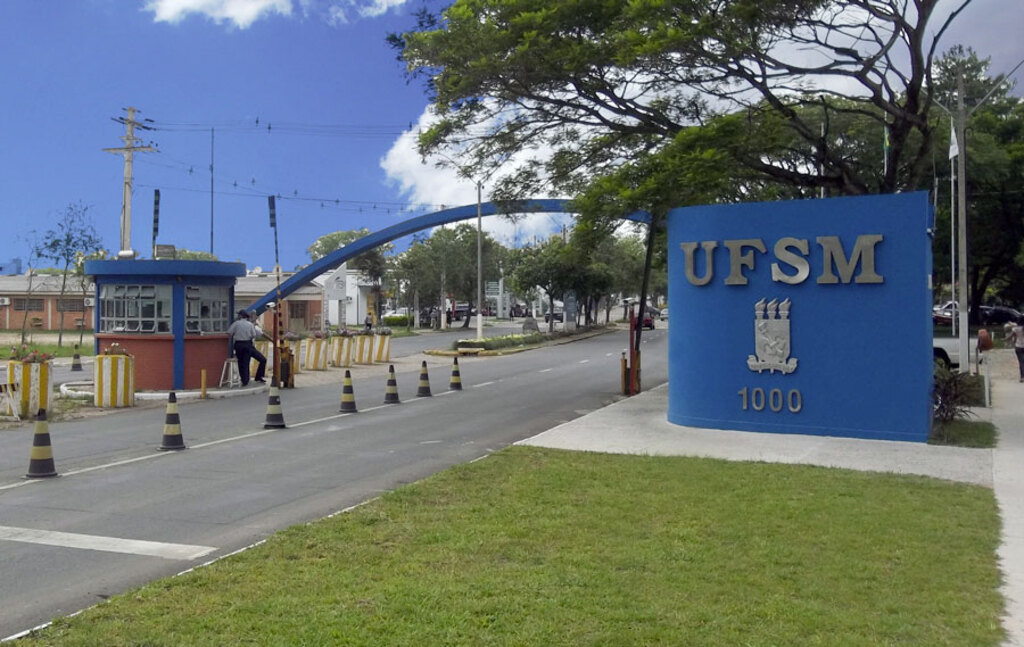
point(479, 267)
point(211, 192)
point(961, 163)
point(131, 146)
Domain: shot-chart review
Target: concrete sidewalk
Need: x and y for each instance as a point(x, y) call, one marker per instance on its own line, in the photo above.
point(638, 425)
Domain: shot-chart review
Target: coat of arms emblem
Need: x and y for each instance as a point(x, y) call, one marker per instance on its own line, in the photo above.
point(771, 338)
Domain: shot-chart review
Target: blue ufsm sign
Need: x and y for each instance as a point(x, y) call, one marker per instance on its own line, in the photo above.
point(803, 317)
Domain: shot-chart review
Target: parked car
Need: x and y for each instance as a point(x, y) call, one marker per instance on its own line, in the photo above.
point(559, 316)
point(664, 314)
point(998, 315)
point(942, 315)
point(648, 320)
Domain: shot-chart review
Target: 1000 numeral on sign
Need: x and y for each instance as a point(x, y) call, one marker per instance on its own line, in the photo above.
point(774, 400)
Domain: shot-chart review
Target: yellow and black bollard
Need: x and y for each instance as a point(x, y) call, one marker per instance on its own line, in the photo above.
point(348, 395)
point(172, 439)
point(40, 464)
point(456, 382)
point(423, 390)
point(391, 393)
point(76, 360)
point(275, 417)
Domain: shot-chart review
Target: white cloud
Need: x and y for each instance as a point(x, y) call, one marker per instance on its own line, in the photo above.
point(242, 13)
point(376, 8)
point(425, 184)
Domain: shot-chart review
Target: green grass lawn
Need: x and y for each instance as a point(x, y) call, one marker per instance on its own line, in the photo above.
point(539, 547)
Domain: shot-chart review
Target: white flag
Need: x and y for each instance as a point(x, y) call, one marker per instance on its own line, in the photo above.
point(954, 149)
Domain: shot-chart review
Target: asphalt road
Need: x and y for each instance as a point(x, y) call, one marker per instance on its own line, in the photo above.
point(123, 514)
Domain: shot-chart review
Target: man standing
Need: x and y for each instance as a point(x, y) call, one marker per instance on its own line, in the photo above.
point(242, 334)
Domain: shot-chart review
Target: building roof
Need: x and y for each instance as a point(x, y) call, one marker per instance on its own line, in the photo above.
point(18, 284)
point(256, 285)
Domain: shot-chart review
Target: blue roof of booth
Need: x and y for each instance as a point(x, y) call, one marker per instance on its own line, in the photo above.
point(164, 268)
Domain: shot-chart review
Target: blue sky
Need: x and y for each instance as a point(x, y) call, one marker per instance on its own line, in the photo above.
point(306, 100)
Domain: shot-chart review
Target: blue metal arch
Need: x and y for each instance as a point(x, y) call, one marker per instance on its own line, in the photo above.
point(411, 226)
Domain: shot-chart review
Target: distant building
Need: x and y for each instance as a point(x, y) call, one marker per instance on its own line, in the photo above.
point(12, 266)
point(35, 302)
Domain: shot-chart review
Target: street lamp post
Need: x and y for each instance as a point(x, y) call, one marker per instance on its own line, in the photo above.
point(479, 265)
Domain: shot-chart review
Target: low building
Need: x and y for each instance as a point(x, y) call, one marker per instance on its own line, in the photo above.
point(35, 302)
point(303, 309)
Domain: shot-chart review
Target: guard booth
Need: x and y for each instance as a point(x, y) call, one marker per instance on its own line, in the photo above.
point(171, 315)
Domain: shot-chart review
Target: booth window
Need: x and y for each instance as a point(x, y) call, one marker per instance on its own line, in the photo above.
point(207, 308)
point(135, 308)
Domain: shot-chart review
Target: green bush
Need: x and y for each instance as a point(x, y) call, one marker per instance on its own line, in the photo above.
point(494, 343)
point(954, 392)
point(397, 321)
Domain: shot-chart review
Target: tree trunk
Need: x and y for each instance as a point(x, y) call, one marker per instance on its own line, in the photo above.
point(61, 305)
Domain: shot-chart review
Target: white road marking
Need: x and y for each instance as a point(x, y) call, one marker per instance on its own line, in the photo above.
point(430, 442)
point(483, 384)
point(584, 361)
point(545, 370)
point(106, 544)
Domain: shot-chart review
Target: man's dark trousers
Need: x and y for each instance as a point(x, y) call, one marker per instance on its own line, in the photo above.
point(244, 351)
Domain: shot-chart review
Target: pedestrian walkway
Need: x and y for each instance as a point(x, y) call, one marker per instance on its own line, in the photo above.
point(638, 425)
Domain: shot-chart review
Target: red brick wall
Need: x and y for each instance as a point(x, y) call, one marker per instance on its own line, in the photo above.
point(206, 351)
point(154, 358)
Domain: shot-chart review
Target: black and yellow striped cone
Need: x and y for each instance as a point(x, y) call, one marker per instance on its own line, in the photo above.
point(391, 393)
point(172, 439)
point(275, 417)
point(456, 381)
point(40, 464)
point(76, 361)
point(348, 395)
point(423, 390)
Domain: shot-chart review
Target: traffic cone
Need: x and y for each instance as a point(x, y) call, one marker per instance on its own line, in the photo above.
point(391, 393)
point(40, 464)
point(423, 390)
point(76, 360)
point(172, 426)
point(275, 418)
point(348, 395)
point(456, 381)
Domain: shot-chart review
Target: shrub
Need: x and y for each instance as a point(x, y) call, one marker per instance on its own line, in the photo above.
point(397, 321)
point(494, 343)
point(953, 393)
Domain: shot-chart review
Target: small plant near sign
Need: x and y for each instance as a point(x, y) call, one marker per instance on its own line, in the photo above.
point(115, 349)
point(28, 355)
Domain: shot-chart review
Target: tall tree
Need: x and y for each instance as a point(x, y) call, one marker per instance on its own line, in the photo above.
point(373, 263)
point(601, 81)
point(995, 175)
point(73, 235)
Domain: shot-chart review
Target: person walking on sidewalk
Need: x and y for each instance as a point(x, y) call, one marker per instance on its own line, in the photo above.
point(242, 334)
point(1016, 333)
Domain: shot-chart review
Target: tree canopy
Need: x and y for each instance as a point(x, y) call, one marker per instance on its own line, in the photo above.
point(594, 83)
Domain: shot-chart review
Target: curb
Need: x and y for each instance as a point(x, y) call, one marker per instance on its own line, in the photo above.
point(511, 351)
point(82, 390)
